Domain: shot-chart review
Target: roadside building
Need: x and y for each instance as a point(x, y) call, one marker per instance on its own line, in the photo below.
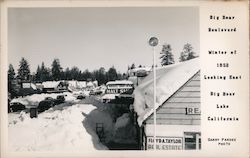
point(178, 108)
point(116, 89)
point(39, 86)
point(136, 75)
point(27, 88)
point(82, 84)
point(54, 86)
point(91, 85)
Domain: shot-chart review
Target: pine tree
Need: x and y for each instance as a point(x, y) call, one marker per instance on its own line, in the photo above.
point(187, 53)
point(112, 74)
point(38, 73)
point(74, 73)
point(56, 70)
point(87, 75)
point(24, 70)
point(167, 56)
point(11, 77)
point(102, 79)
point(67, 74)
point(45, 73)
point(11, 73)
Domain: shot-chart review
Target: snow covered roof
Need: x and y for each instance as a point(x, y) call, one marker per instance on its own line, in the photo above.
point(90, 84)
point(168, 80)
point(95, 83)
point(119, 82)
point(72, 83)
point(141, 69)
point(50, 84)
point(33, 86)
point(82, 84)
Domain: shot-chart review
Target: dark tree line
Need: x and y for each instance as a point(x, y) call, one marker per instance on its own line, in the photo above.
point(56, 72)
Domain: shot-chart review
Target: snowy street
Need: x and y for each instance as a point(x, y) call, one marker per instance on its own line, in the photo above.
point(53, 130)
point(70, 126)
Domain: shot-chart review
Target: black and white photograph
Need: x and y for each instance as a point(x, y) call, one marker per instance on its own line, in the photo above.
point(103, 78)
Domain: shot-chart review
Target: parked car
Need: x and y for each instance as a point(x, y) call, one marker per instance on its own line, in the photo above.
point(92, 92)
point(16, 106)
point(59, 99)
point(45, 104)
point(81, 96)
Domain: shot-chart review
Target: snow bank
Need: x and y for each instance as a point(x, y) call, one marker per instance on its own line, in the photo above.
point(122, 121)
point(102, 116)
point(60, 130)
point(124, 131)
point(33, 100)
point(168, 80)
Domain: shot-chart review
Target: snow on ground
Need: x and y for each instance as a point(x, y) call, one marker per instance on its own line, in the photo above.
point(168, 80)
point(101, 116)
point(124, 130)
point(33, 100)
point(122, 121)
point(59, 130)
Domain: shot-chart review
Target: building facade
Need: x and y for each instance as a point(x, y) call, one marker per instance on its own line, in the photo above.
point(178, 120)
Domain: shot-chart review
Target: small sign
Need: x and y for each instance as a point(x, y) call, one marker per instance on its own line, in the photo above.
point(117, 91)
point(26, 85)
point(193, 111)
point(165, 143)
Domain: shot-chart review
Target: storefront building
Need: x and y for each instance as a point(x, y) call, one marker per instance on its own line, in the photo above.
point(178, 111)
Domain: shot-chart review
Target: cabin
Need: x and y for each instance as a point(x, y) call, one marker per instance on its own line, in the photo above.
point(27, 88)
point(90, 85)
point(82, 84)
point(54, 86)
point(177, 108)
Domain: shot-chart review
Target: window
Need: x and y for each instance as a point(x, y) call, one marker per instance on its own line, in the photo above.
point(192, 140)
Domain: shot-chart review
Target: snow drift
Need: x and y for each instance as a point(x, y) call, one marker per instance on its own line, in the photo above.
point(60, 130)
point(168, 80)
point(124, 130)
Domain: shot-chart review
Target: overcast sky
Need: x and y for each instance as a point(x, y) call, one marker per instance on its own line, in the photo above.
point(90, 38)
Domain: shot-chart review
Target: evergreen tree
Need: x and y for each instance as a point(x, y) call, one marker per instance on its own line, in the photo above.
point(87, 75)
point(11, 77)
point(187, 53)
point(45, 73)
point(11, 73)
point(24, 70)
point(167, 57)
point(67, 74)
point(102, 79)
point(38, 73)
point(74, 73)
point(112, 74)
point(56, 70)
